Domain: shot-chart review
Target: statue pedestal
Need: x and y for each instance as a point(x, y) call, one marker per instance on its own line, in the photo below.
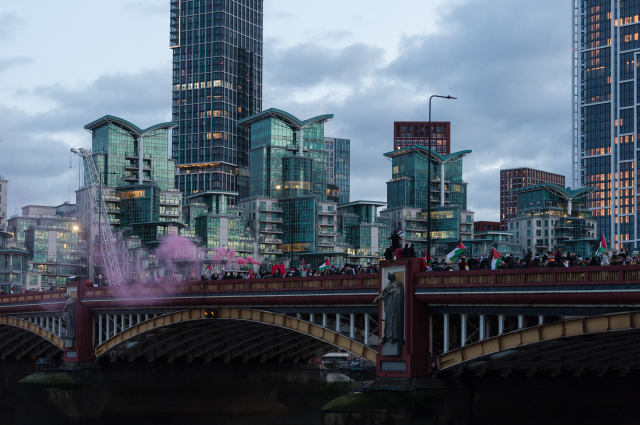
point(391, 348)
point(398, 360)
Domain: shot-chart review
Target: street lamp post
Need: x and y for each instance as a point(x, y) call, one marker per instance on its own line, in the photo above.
point(429, 180)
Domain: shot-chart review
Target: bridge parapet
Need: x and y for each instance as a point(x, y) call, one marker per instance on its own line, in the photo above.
point(262, 285)
point(532, 276)
point(32, 296)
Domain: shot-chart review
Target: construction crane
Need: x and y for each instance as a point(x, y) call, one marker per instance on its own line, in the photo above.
point(101, 213)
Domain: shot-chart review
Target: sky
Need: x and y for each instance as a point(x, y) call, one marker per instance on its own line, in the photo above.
point(508, 63)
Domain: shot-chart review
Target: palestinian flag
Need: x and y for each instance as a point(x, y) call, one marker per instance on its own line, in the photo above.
point(496, 257)
point(602, 247)
point(480, 258)
point(456, 250)
point(278, 267)
point(303, 264)
point(12, 289)
point(324, 266)
point(208, 270)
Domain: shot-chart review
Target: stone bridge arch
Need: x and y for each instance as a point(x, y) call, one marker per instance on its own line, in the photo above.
point(21, 338)
point(235, 333)
point(596, 343)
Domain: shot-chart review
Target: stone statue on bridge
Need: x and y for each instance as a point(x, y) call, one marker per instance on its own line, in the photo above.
point(69, 319)
point(393, 306)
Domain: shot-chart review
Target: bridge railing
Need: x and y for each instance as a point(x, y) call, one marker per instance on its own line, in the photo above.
point(32, 296)
point(340, 282)
point(601, 274)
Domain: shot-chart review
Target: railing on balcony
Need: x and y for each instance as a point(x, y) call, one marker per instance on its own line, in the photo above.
point(271, 219)
point(271, 229)
point(270, 251)
point(325, 223)
point(270, 240)
point(278, 209)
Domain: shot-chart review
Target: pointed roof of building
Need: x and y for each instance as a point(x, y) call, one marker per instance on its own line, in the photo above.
point(288, 119)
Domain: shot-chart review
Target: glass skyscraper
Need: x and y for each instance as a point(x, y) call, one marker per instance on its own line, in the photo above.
point(338, 166)
point(605, 99)
point(217, 80)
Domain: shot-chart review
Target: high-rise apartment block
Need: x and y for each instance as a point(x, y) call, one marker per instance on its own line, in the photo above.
point(409, 195)
point(516, 178)
point(293, 209)
point(217, 80)
point(605, 110)
point(414, 133)
point(338, 167)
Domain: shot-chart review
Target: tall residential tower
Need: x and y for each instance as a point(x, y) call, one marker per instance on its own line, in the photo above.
point(605, 59)
point(217, 80)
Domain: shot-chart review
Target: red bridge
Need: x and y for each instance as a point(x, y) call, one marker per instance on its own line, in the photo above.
point(532, 319)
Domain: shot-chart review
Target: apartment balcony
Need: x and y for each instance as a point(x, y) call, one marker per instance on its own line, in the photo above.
point(271, 230)
point(325, 231)
point(270, 251)
point(325, 212)
point(271, 219)
point(114, 211)
point(271, 240)
point(12, 268)
point(135, 178)
point(274, 209)
point(245, 249)
point(416, 218)
point(326, 243)
point(111, 199)
point(169, 202)
point(170, 213)
point(325, 223)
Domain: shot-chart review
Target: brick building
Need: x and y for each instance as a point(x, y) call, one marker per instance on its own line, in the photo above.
point(515, 178)
point(411, 133)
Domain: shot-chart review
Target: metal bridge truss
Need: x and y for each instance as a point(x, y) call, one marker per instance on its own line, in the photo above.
point(20, 342)
point(226, 339)
point(574, 345)
point(452, 331)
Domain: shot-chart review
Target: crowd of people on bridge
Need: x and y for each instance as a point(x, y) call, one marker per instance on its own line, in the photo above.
point(549, 260)
point(263, 273)
point(530, 261)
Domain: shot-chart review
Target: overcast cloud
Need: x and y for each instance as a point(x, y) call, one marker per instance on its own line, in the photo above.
point(507, 62)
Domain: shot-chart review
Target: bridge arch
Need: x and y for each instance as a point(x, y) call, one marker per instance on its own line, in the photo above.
point(235, 333)
point(598, 343)
point(21, 338)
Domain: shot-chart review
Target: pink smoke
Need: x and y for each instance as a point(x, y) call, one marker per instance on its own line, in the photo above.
point(176, 248)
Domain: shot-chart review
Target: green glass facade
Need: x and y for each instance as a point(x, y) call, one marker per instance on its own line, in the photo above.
point(273, 144)
point(115, 145)
point(409, 182)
